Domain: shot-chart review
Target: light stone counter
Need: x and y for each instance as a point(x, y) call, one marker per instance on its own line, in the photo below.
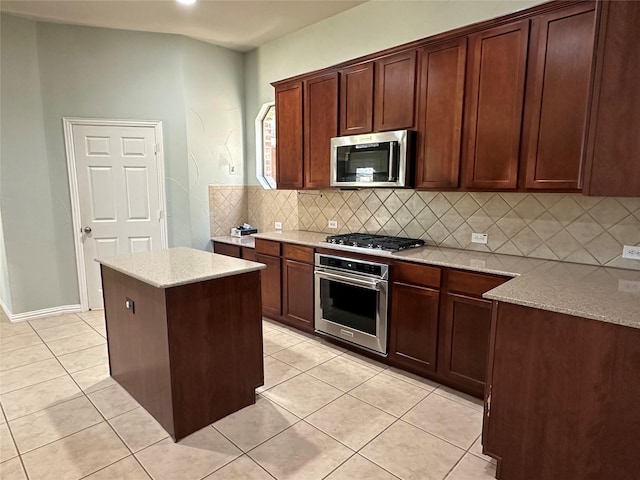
point(245, 241)
point(607, 294)
point(294, 236)
point(178, 266)
point(507, 265)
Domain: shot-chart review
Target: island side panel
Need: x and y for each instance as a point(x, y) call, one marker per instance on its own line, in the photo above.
point(564, 396)
point(215, 335)
point(138, 343)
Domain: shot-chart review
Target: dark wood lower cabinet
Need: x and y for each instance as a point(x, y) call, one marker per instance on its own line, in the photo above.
point(413, 333)
point(271, 285)
point(464, 340)
point(297, 280)
point(189, 354)
point(227, 249)
point(248, 254)
point(441, 329)
point(562, 397)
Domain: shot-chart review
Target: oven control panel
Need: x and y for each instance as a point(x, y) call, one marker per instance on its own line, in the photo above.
point(351, 265)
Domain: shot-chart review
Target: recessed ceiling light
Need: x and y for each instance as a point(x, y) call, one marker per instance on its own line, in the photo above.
point(187, 2)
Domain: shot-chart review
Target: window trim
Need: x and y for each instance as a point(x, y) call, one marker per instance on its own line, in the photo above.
point(262, 113)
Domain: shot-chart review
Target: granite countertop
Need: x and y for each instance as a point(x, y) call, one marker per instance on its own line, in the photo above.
point(178, 266)
point(506, 265)
point(244, 241)
point(610, 295)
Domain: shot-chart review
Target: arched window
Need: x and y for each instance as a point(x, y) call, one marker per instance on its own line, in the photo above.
point(266, 145)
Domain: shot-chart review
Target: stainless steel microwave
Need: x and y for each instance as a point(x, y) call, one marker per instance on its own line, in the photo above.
point(372, 160)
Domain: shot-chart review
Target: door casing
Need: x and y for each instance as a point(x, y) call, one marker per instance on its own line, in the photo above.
point(68, 123)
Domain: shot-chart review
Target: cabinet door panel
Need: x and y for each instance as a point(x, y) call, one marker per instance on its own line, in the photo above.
point(464, 341)
point(440, 114)
point(320, 125)
point(493, 117)
point(413, 327)
point(271, 285)
point(395, 89)
point(612, 166)
point(356, 99)
point(557, 95)
point(298, 294)
point(289, 136)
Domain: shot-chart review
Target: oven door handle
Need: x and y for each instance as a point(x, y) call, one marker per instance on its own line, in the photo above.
point(372, 285)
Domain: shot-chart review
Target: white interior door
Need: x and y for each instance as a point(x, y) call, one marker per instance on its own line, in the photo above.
point(120, 203)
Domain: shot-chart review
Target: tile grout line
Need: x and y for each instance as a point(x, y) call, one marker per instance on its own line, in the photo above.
point(86, 428)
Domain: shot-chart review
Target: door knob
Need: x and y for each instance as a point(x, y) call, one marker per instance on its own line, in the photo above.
point(87, 229)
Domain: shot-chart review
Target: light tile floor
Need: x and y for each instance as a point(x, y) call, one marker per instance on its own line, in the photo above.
point(323, 412)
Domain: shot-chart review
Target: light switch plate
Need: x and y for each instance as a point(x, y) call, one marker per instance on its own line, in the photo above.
point(333, 224)
point(278, 225)
point(631, 252)
point(479, 238)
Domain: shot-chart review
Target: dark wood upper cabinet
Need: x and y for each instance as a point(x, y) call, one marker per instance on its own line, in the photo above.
point(320, 125)
point(442, 75)
point(494, 104)
point(557, 96)
point(613, 143)
point(356, 99)
point(289, 149)
point(395, 87)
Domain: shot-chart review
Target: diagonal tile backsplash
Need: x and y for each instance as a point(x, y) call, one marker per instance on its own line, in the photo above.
point(557, 226)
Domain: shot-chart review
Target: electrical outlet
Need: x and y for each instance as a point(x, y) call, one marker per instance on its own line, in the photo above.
point(278, 225)
point(333, 224)
point(628, 286)
point(479, 238)
point(631, 252)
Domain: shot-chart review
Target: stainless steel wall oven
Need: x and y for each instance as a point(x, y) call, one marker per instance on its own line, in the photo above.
point(351, 298)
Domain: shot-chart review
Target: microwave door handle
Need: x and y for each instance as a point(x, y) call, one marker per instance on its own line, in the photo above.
point(372, 285)
point(392, 161)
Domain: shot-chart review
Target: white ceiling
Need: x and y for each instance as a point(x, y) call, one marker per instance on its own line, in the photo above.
point(241, 24)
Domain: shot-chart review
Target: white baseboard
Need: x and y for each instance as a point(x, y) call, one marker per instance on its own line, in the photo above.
point(45, 312)
point(5, 309)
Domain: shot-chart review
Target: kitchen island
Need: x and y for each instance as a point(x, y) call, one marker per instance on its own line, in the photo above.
point(184, 333)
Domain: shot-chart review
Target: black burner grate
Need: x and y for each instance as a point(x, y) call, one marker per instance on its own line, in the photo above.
point(381, 242)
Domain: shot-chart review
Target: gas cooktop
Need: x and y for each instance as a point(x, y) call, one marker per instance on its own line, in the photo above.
point(380, 242)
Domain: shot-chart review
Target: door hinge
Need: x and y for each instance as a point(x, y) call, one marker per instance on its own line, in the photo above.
point(159, 215)
point(156, 148)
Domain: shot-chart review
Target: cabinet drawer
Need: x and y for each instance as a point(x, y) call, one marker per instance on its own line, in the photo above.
point(268, 247)
point(297, 252)
point(469, 283)
point(249, 253)
point(226, 249)
point(416, 274)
